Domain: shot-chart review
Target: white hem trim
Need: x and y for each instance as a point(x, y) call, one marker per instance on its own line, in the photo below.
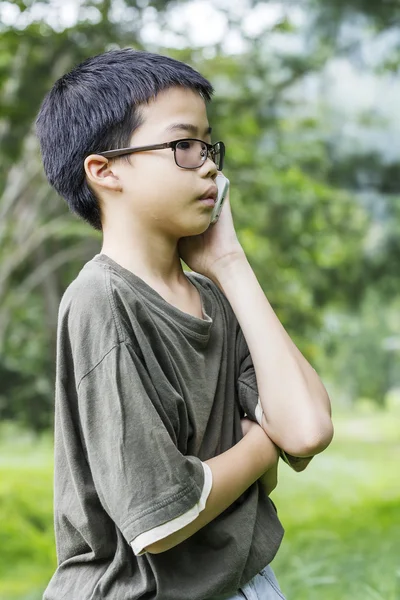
point(259, 412)
point(161, 531)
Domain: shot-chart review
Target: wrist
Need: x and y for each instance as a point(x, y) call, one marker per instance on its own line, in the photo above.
point(228, 266)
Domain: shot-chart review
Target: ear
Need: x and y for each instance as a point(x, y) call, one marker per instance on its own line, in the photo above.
point(100, 172)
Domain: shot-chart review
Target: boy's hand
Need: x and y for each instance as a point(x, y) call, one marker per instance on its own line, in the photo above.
point(216, 245)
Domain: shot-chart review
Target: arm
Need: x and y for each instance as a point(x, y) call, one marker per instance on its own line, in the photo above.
point(295, 403)
point(233, 471)
point(297, 463)
point(269, 480)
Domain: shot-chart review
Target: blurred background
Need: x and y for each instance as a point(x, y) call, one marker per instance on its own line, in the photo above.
point(308, 104)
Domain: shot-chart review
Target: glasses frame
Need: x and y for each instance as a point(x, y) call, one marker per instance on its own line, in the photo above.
point(211, 151)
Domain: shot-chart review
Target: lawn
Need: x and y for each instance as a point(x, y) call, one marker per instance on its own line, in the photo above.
point(342, 515)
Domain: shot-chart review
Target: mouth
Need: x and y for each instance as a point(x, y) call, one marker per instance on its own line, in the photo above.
point(210, 196)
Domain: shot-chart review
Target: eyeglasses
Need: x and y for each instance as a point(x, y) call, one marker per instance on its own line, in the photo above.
point(188, 153)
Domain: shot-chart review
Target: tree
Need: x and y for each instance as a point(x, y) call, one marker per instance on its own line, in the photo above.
point(300, 220)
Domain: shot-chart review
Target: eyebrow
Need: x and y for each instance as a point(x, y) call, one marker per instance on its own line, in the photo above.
point(188, 127)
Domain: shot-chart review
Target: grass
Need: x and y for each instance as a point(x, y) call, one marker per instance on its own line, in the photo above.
point(341, 515)
point(27, 557)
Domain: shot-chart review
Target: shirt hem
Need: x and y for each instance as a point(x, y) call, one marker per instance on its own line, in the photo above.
point(162, 531)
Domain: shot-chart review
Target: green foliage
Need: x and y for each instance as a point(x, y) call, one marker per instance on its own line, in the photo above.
point(382, 14)
point(344, 24)
point(26, 531)
point(361, 356)
point(296, 195)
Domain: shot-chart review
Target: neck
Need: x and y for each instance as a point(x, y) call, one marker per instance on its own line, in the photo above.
point(151, 255)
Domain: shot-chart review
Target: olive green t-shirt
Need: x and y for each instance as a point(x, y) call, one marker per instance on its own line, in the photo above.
point(144, 394)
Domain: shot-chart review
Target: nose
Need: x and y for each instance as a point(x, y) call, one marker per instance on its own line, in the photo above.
point(209, 168)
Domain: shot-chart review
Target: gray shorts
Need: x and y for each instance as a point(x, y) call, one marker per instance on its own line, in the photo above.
point(264, 586)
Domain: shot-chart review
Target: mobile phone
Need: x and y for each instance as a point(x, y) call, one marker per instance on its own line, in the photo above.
point(223, 186)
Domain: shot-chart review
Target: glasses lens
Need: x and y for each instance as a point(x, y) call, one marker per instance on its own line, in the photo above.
point(190, 154)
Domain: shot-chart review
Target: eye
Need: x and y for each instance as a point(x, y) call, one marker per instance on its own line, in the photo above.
point(185, 145)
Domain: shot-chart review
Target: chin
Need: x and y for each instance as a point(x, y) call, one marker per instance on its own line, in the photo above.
point(192, 225)
point(198, 228)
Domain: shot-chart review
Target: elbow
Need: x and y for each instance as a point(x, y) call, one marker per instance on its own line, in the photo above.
point(312, 439)
point(318, 441)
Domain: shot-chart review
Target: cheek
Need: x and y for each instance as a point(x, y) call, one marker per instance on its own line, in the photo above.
point(153, 175)
point(159, 190)
point(166, 185)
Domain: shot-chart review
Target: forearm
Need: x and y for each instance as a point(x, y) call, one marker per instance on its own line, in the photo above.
point(233, 472)
point(269, 480)
point(295, 403)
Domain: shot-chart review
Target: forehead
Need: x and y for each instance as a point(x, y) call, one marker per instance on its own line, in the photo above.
point(175, 105)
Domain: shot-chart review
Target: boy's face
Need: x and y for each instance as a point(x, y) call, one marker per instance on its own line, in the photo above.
point(156, 191)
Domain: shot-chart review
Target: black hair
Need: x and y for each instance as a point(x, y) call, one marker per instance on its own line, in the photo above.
point(95, 108)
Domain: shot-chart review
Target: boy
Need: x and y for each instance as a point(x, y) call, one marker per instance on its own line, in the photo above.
point(161, 485)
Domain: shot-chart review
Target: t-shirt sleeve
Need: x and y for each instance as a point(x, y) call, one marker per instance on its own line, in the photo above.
point(161, 531)
point(246, 382)
point(141, 477)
